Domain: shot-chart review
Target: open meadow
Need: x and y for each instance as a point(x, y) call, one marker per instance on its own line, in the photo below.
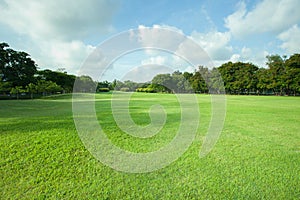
point(256, 157)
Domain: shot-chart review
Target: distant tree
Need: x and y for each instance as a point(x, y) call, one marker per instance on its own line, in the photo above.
point(17, 90)
point(239, 77)
point(31, 88)
point(263, 81)
point(53, 87)
point(292, 76)
point(85, 83)
point(198, 82)
point(47, 87)
point(5, 86)
point(277, 70)
point(117, 85)
point(163, 83)
point(66, 81)
point(103, 86)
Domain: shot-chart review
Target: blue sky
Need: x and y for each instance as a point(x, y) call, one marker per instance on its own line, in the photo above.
point(61, 34)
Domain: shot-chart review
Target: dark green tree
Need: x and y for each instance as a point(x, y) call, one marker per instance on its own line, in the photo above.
point(66, 81)
point(16, 66)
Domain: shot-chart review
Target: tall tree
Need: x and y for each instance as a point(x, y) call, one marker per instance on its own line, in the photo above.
point(292, 76)
point(163, 83)
point(85, 83)
point(16, 66)
point(31, 88)
point(66, 81)
point(277, 70)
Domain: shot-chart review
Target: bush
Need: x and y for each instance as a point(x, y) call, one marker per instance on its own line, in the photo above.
point(125, 89)
point(103, 90)
point(147, 90)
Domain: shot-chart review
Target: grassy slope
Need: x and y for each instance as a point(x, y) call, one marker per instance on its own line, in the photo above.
point(257, 155)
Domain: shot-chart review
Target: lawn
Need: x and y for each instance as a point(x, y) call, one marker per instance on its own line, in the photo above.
point(256, 157)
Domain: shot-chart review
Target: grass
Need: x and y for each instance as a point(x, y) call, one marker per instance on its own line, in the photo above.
point(256, 157)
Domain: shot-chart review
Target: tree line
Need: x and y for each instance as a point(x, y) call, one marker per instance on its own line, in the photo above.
point(19, 75)
point(281, 77)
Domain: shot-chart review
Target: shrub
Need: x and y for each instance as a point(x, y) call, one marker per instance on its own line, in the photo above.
point(103, 90)
point(125, 89)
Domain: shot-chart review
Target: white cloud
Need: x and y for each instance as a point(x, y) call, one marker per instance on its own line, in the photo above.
point(57, 29)
point(146, 72)
point(190, 51)
point(291, 39)
point(158, 60)
point(248, 55)
point(216, 44)
point(71, 54)
point(198, 49)
point(268, 16)
point(58, 19)
point(162, 36)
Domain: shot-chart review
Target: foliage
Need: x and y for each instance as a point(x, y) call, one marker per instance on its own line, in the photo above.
point(147, 90)
point(17, 90)
point(47, 87)
point(16, 67)
point(31, 88)
point(85, 83)
point(103, 90)
point(63, 79)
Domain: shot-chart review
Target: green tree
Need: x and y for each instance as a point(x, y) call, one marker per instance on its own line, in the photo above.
point(263, 81)
point(239, 77)
point(17, 90)
point(277, 70)
point(31, 88)
point(66, 81)
point(163, 83)
point(85, 83)
point(5, 87)
point(292, 76)
point(16, 66)
point(47, 87)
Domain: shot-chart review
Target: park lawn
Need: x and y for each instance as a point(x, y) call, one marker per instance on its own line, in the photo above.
point(256, 157)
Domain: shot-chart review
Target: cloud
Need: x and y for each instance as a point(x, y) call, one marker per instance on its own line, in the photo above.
point(216, 44)
point(71, 54)
point(267, 16)
point(162, 36)
point(291, 39)
point(58, 19)
point(159, 60)
point(56, 29)
point(248, 55)
point(146, 72)
point(185, 49)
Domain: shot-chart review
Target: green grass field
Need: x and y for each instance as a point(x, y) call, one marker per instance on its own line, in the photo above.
point(256, 157)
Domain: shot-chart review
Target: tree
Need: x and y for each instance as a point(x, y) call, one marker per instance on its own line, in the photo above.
point(85, 83)
point(52, 87)
point(5, 87)
point(47, 87)
point(31, 88)
point(277, 69)
point(292, 76)
point(63, 79)
point(263, 81)
point(239, 77)
point(16, 90)
point(16, 66)
point(163, 83)
point(199, 79)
